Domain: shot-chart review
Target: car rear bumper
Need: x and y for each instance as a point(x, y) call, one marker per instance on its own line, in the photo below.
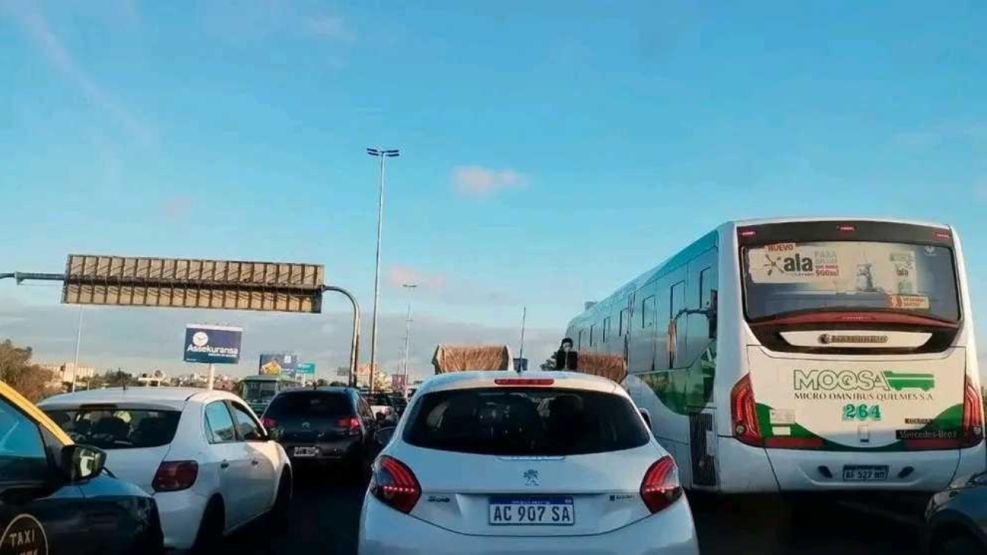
point(384, 530)
point(181, 514)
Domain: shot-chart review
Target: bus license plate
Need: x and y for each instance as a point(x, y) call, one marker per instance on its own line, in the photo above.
point(854, 473)
point(532, 511)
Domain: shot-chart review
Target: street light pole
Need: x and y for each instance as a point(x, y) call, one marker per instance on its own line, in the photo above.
point(407, 338)
point(381, 154)
point(78, 345)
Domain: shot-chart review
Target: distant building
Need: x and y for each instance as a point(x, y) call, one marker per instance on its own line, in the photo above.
point(68, 372)
point(154, 379)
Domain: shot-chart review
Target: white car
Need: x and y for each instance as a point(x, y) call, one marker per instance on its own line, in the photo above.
point(202, 454)
point(539, 462)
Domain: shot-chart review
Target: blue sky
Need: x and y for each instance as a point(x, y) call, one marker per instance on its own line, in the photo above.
point(549, 151)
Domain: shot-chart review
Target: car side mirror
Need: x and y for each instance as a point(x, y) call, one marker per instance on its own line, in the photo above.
point(384, 436)
point(82, 462)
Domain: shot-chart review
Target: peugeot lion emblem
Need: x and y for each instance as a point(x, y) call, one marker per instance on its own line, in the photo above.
point(531, 477)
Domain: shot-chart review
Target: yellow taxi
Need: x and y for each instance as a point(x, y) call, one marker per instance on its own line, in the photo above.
point(56, 497)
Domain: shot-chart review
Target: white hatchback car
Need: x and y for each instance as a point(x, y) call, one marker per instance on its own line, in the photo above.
point(202, 454)
point(541, 462)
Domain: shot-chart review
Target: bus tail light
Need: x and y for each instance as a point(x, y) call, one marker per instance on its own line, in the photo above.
point(660, 487)
point(744, 413)
point(395, 485)
point(973, 416)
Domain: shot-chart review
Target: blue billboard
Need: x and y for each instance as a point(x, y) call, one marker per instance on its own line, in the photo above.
point(212, 344)
point(278, 364)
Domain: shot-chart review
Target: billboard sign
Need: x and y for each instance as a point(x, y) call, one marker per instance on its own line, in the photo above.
point(278, 364)
point(305, 369)
point(212, 344)
point(193, 283)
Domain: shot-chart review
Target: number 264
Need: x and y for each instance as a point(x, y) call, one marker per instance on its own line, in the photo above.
point(861, 412)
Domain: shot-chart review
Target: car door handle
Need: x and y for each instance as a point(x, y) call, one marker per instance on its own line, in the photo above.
point(224, 464)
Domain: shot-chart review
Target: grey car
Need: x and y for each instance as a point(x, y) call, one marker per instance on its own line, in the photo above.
point(956, 518)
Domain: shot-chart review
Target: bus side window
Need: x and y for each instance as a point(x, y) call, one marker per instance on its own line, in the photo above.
point(677, 324)
point(648, 312)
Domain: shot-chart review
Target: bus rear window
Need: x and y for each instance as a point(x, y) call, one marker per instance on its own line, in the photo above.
point(525, 422)
point(784, 278)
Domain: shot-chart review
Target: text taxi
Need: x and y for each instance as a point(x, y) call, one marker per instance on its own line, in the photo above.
point(55, 496)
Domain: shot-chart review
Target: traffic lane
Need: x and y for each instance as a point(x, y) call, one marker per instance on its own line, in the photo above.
point(810, 526)
point(325, 514)
point(324, 518)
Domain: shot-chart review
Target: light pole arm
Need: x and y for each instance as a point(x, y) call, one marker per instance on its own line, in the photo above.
point(34, 276)
point(355, 345)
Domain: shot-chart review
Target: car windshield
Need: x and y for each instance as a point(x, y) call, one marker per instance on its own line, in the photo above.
point(525, 422)
point(118, 428)
point(311, 404)
point(257, 390)
point(784, 278)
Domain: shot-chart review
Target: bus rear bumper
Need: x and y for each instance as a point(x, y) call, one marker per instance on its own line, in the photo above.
point(747, 469)
point(920, 471)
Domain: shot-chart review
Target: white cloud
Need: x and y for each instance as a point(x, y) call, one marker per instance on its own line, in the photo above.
point(33, 20)
point(143, 339)
point(441, 288)
point(330, 27)
point(176, 208)
point(480, 182)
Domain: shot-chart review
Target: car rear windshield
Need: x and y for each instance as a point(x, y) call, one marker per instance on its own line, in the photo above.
point(310, 404)
point(525, 422)
point(118, 428)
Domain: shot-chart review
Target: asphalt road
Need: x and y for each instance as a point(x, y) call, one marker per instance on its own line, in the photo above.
point(326, 512)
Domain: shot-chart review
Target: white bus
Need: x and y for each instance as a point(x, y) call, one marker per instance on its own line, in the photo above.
point(803, 355)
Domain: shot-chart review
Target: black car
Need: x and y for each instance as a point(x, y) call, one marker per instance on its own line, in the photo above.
point(956, 519)
point(324, 425)
point(56, 497)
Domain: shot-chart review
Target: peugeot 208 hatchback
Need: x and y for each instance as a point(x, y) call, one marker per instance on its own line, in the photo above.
point(499, 462)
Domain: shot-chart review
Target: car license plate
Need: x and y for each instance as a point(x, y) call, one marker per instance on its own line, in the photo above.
point(855, 473)
point(532, 511)
point(305, 451)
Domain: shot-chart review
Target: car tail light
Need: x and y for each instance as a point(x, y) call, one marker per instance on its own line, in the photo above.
point(973, 416)
point(846, 228)
point(351, 424)
point(268, 422)
point(660, 487)
point(175, 475)
point(524, 381)
point(395, 485)
point(744, 413)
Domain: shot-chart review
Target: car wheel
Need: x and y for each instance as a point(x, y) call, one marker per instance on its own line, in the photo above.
point(959, 545)
point(282, 503)
point(210, 536)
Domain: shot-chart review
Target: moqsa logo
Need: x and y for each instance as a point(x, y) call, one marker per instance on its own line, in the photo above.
point(842, 380)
